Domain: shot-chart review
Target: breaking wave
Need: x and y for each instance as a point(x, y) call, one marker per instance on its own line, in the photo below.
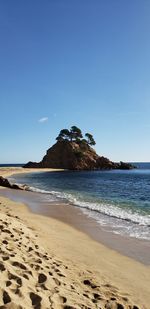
point(104, 208)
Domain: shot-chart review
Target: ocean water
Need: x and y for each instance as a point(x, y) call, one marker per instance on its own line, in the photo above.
point(12, 165)
point(118, 200)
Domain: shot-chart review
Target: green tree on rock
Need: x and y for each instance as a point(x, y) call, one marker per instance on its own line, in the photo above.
point(90, 139)
point(63, 135)
point(75, 134)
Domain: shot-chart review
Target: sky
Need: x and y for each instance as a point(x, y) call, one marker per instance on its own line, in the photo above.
point(74, 62)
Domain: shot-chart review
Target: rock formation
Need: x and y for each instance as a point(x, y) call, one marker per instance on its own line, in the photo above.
point(5, 183)
point(73, 155)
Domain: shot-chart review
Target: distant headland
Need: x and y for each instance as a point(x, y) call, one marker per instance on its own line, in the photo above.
point(74, 152)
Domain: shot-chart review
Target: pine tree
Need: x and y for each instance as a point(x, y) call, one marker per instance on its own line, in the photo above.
point(90, 139)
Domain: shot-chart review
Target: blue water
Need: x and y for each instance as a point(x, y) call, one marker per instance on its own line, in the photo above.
point(118, 200)
point(12, 165)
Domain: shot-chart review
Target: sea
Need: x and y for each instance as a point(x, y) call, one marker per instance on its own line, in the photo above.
point(12, 165)
point(119, 200)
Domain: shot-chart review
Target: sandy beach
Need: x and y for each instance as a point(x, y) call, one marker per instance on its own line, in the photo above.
point(46, 263)
point(8, 171)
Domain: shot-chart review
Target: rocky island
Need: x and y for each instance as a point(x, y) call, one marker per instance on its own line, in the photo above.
point(73, 152)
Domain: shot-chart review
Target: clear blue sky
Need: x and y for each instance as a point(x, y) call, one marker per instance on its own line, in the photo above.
point(76, 62)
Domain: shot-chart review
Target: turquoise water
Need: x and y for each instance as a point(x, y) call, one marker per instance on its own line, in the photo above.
point(118, 200)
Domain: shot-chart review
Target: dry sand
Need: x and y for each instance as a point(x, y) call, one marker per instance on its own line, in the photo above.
point(8, 171)
point(48, 264)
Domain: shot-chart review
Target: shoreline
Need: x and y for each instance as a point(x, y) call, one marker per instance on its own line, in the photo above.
point(114, 274)
point(138, 250)
point(134, 248)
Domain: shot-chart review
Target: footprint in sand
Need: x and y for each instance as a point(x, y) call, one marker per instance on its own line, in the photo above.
point(5, 258)
point(2, 267)
point(89, 283)
point(36, 300)
point(12, 255)
point(6, 231)
point(39, 261)
point(6, 298)
point(16, 278)
point(25, 276)
point(96, 296)
point(63, 299)
point(19, 265)
point(42, 278)
point(8, 283)
point(5, 242)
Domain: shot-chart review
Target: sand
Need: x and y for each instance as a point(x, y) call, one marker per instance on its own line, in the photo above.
point(8, 171)
point(45, 263)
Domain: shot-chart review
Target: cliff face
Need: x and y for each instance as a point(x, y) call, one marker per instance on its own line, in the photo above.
point(75, 156)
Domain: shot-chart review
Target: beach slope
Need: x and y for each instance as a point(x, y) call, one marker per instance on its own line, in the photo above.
point(47, 264)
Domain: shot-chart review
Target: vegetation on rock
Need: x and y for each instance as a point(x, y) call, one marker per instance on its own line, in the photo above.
point(75, 134)
point(90, 139)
